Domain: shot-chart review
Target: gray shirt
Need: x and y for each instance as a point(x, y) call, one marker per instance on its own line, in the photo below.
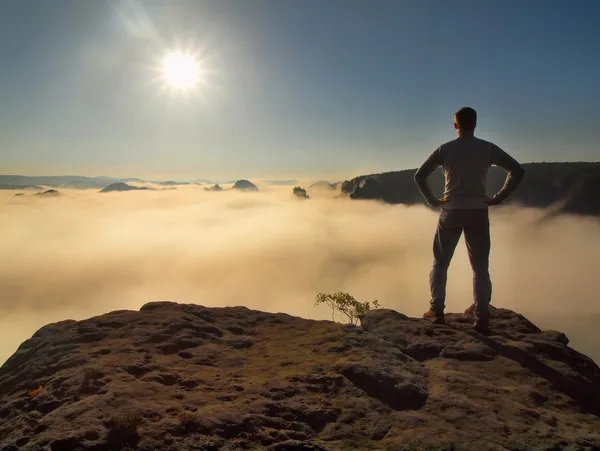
point(465, 162)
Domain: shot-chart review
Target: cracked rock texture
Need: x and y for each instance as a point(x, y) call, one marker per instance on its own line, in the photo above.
point(185, 377)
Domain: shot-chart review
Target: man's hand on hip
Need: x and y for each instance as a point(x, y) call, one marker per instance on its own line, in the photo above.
point(491, 201)
point(438, 203)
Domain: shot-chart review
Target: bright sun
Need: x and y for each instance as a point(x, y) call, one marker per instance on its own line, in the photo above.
point(180, 70)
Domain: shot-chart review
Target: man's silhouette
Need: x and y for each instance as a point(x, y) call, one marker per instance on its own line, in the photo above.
point(465, 162)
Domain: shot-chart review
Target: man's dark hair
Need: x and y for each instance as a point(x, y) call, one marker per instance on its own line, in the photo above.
point(466, 118)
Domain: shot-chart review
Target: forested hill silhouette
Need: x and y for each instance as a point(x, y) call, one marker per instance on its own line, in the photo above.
point(571, 187)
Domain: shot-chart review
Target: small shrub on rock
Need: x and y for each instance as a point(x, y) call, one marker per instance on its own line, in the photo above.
point(346, 305)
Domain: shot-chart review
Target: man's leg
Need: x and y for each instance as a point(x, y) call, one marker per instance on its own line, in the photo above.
point(445, 241)
point(477, 237)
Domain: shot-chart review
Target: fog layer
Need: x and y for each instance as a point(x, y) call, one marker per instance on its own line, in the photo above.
point(83, 253)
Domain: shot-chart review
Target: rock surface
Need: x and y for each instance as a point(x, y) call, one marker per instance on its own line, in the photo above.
point(186, 377)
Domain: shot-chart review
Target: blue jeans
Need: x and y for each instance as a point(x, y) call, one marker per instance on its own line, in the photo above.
point(476, 225)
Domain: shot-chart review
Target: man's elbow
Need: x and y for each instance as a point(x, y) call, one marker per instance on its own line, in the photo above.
point(519, 173)
point(419, 177)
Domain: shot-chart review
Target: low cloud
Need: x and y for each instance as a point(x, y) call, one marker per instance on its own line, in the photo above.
point(84, 253)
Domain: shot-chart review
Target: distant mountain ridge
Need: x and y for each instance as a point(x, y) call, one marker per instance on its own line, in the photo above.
point(566, 187)
point(322, 184)
point(280, 182)
point(65, 181)
point(570, 187)
point(10, 186)
point(82, 182)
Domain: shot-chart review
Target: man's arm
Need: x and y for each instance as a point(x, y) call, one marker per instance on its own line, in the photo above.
point(513, 178)
point(434, 160)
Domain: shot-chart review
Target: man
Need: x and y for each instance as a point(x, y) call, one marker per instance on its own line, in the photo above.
point(465, 162)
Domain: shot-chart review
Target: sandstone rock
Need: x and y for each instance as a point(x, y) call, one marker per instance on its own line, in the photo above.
point(245, 185)
point(300, 192)
point(179, 377)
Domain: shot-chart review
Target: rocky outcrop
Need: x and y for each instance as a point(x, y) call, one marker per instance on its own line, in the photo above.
point(121, 186)
point(214, 188)
point(300, 192)
point(181, 377)
point(513, 340)
point(48, 192)
point(245, 185)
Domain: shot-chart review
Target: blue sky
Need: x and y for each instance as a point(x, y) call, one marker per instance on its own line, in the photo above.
point(292, 88)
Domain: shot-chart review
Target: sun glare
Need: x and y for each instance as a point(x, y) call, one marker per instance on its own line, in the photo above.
point(180, 70)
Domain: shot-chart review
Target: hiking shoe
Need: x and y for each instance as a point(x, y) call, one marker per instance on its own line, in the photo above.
point(470, 310)
point(483, 329)
point(437, 317)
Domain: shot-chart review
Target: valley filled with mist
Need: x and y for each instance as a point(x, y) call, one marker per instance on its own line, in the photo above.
point(82, 253)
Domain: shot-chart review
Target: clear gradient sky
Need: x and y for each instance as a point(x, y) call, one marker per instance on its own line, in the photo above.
point(292, 87)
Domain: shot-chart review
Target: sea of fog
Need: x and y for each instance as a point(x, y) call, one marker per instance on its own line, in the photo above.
point(83, 253)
